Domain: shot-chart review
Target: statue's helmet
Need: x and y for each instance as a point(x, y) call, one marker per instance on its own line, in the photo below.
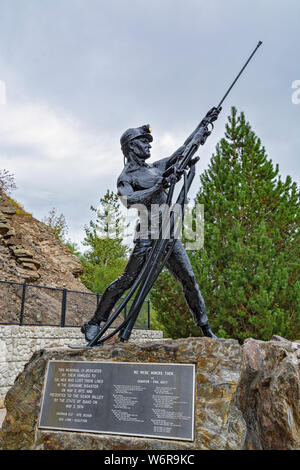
point(135, 132)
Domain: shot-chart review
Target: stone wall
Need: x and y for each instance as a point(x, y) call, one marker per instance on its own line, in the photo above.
point(18, 343)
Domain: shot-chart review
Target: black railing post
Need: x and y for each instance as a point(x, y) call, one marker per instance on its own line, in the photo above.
point(148, 314)
point(23, 304)
point(63, 308)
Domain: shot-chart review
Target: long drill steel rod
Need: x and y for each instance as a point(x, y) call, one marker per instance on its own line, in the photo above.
point(240, 73)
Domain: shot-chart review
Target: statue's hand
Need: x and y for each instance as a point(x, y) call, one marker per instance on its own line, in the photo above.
point(159, 183)
point(212, 114)
point(193, 161)
point(172, 178)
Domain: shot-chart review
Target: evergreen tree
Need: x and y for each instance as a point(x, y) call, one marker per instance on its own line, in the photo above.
point(106, 255)
point(249, 268)
point(73, 247)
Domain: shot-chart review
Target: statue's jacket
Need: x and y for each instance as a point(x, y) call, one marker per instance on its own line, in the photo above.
point(138, 188)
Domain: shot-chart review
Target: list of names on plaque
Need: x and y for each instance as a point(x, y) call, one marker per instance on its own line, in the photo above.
point(142, 399)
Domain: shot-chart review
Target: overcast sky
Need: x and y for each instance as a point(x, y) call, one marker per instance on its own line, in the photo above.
point(77, 73)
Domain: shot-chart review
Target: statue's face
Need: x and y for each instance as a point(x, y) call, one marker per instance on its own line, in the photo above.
point(141, 147)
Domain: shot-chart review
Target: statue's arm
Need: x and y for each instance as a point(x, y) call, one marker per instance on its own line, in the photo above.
point(165, 163)
point(210, 117)
point(129, 197)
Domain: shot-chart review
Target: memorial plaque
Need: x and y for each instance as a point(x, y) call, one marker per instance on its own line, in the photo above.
point(138, 399)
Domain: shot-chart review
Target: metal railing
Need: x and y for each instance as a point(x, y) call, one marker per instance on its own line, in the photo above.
point(30, 304)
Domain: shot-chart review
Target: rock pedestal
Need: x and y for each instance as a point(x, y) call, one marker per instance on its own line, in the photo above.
point(219, 423)
point(246, 397)
point(269, 394)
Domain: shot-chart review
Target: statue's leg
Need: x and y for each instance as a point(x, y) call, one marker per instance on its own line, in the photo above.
point(116, 289)
point(180, 267)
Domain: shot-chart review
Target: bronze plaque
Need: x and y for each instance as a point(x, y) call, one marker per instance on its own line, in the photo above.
point(137, 399)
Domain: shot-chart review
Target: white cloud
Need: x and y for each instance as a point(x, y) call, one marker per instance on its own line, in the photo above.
point(57, 162)
point(35, 137)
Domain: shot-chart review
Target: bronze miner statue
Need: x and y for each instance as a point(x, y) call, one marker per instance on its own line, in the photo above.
point(145, 185)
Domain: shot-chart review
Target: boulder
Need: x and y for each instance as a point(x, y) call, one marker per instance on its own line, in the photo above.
point(10, 233)
point(4, 228)
point(22, 253)
point(270, 394)
point(28, 275)
point(29, 266)
point(35, 264)
point(8, 210)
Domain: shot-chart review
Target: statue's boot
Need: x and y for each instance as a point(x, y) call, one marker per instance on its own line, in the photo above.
point(206, 330)
point(90, 330)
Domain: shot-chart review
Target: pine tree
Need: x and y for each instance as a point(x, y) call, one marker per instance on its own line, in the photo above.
point(249, 268)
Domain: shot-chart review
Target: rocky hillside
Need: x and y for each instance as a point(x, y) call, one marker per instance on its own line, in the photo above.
point(30, 252)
